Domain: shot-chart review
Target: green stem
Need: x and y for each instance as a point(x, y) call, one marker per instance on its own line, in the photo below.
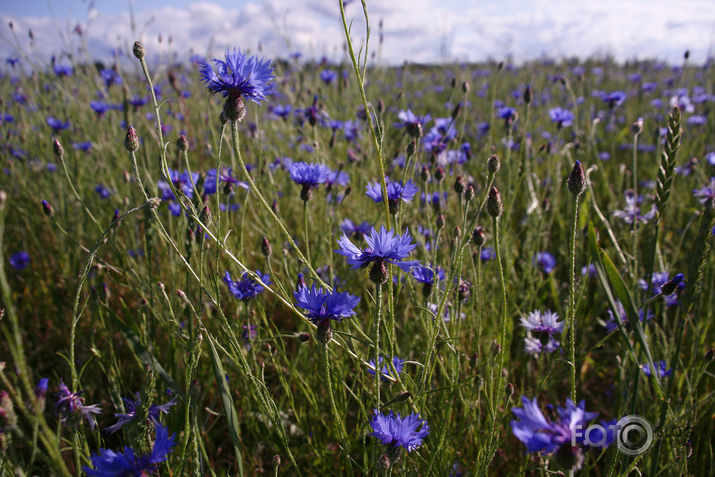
point(571, 326)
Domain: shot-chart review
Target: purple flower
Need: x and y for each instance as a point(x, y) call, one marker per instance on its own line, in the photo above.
point(632, 212)
point(385, 371)
point(56, 124)
point(614, 98)
point(350, 228)
point(411, 122)
point(383, 246)
point(562, 117)
point(546, 322)
point(248, 287)
point(623, 317)
point(322, 305)
point(70, 405)
point(541, 435)
point(396, 191)
point(108, 463)
point(487, 254)
point(506, 113)
point(427, 275)
point(110, 77)
point(705, 194)
point(239, 76)
point(102, 191)
point(660, 367)
point(395, 431)
point(19, 260)
point(328, 76)
point(131, 408)
point(545, 261)
point(225, 176)
point(308, 174)
point(41, 388)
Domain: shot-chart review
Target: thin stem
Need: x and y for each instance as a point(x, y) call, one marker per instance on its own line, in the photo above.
point(378, 319)
point(571, 326)
point(329, 384)
point(306, 237)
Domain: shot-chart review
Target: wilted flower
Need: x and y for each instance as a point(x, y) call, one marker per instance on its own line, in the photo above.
point(70, 405)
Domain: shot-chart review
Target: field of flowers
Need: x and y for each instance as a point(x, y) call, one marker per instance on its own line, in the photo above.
point(200, 273)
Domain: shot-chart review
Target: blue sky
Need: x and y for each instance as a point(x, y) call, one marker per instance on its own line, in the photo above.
point(414, 30)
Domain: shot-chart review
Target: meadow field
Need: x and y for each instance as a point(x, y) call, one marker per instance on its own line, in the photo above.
point(199, 270)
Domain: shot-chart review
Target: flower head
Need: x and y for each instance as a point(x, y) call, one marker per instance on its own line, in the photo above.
point(322, 305)
point(308, 174)
point(248, 287)
point(239, 76)
point(70, 405)
point(19, 260)
point(396, 191)
point(397, 431)
point(131, 407)
point(108, 463)
point(545, 261)
point(546, 322)
point(385, 371)
point(661, 369)
point(383, 246)
point(562, 117)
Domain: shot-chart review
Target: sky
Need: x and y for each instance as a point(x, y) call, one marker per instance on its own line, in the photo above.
point(417, 31)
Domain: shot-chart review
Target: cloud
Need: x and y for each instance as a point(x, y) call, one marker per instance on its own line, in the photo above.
point(415, 30)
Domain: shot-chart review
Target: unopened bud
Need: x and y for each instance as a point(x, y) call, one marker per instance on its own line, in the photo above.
point(411, 148)
point(131, 141)
point(509, 390)
point(47, 209)
point(182, 143)
point(439, 173)
point(276, 460)
point(637, 126)
point(459, 185)
point(57, 148)
point(527, 94)
point(457, 231)
point(385, 462)
point(303, 337)
point(577, 180)
point(266, 247)
point(138, 50)
point(494, 203)
point(205, 216)
point(153, 203)
point(425, 174)
point(455, 112)
point(465, 87)
point(493, 164)
point(439, 222)
point(403, 396)
point(479, 238)
point(469, 193)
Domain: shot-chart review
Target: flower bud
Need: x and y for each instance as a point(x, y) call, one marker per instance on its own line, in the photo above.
point(465, 87)
point(469, 193)
point(424, 173)
point(494, 203)
point(637, 126)
point(509, 390)
point(205, 216)
point(138, 50)
point(47, 209)
point(131, 141)
point(266, 247)
point(577, 180)
point(479, 238)
point(493, 164)
point(276, 460)
point(182, 143)
point(459, 185)
point(439, 222)
point(527, 94)
point(411, 148)
point(439, 173)
point(57, 147)
point(455, 112)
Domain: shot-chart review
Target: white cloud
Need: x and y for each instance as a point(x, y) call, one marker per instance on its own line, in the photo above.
point(414, 30)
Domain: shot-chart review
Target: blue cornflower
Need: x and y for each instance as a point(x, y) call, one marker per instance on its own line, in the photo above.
point(396, 191)
point(309, 176)
point(614, 98)
point(99, 107)
point(110, 77)
point(350, 228)
point(248, 287)
point(427, 275)
point(70, 405)
point(226, 177)
point(546, 322)
point(438, 138)
point(132, 405)
point(282, 110)
point(506, 113)
point(328, 76)
point(396, 431)
point(545, 261)
point(411, 122)
point(41, 388)
point(623, 317)
point(541, 435)
point(108, 463)
point(562, 117)
point(658, 280)
point(85, 146)
point(239, 76)
point(537, 346)
point(337, 177)
point(632, 212)
point(20, 260)
point(661, 368)
point(102, 191)
point(322, 305)
point(383, 246)
point(705, 194)
point(62, 70)
point(487, 254)
point(56, 124)
point(385, 371)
